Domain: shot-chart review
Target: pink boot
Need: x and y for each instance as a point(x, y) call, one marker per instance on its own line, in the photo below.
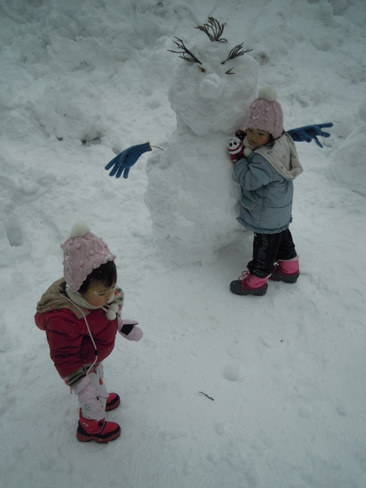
point(97, 430)
point(248, 284)
point(113, 401)
point(286, 270)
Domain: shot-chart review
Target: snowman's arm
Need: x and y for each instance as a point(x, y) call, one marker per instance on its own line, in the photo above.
point(300, 134)
point(309, 133)
point(123, 162)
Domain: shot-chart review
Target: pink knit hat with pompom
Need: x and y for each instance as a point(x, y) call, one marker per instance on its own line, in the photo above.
point(265, 113)
point(83, 252)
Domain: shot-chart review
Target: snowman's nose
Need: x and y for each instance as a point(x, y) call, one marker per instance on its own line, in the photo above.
point(211, 86)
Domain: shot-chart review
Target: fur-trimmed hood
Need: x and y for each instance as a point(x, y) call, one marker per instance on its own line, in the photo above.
point(54, 298)
point(282, 156)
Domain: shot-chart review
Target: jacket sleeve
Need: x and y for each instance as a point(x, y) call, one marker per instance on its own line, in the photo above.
point(65, 337)
point(253, 173)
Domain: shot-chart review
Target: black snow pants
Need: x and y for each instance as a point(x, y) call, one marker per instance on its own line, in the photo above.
point(269, 248)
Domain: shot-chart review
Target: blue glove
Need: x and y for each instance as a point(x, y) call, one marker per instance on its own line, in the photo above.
point(122, 163)
point(309, 132)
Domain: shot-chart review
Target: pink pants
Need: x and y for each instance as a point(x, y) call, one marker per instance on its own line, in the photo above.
point(88, 410)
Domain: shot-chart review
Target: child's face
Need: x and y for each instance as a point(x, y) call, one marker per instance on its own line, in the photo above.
point(257, 137)
point(97, 294)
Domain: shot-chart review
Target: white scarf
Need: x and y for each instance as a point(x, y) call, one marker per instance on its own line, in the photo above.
point(111, 308)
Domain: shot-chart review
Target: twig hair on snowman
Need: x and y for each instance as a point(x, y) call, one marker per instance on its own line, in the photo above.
point(214, 30)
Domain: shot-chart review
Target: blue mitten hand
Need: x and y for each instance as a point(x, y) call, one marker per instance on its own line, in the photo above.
point(123, 162)
point(309, 133)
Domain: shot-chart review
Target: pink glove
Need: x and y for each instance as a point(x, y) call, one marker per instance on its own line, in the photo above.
point(235, 149)
point(129, 330)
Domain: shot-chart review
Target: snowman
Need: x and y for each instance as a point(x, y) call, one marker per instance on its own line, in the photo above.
point(191, 194)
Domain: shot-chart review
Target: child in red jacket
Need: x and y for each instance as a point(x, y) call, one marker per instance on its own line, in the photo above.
point(81, 314)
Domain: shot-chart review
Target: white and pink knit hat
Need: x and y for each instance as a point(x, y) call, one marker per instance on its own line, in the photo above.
point(83, 252)
point(265, 113)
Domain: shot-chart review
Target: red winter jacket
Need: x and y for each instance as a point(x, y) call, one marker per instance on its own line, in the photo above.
point(67, 334)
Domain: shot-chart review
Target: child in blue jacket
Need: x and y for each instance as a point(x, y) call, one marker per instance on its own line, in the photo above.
point(265, 166)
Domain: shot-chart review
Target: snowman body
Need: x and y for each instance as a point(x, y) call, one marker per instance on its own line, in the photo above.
point(192, 196)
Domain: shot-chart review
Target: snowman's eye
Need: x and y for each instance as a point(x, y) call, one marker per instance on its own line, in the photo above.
point(184, 52)
point(236, 52)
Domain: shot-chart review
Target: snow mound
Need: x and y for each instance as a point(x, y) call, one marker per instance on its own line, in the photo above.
point(349, 166)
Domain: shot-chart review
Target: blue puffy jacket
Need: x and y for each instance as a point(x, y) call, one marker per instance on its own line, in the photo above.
point(266, 178)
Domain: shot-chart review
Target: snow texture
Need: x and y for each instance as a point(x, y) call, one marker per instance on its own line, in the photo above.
point(222, 391)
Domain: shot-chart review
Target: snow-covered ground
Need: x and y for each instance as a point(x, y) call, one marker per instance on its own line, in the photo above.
point(284, 374)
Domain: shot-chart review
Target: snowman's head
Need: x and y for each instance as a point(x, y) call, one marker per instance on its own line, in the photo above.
point(214, 84)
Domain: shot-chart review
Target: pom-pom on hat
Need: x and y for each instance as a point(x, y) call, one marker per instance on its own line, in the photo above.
point(83, 252)
point(265, 113)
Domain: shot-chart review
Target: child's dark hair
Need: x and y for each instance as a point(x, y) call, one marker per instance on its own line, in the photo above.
point(106, 274)
point(271, 141)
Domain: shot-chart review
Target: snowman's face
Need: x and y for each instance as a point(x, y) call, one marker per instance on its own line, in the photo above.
point(214, 94)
